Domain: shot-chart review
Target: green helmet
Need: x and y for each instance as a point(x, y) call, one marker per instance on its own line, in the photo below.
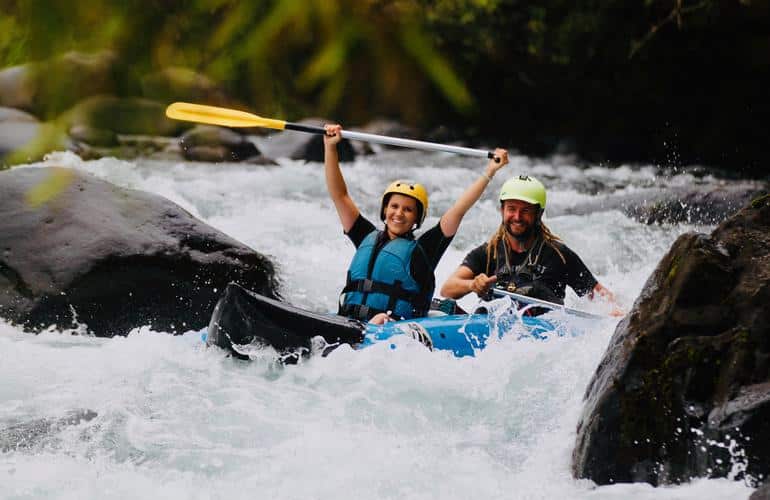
point(524, 188)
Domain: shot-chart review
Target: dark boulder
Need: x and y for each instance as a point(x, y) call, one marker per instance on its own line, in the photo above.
point(215, 144)
point(16, 135)
point(260, 160)
point(113, 258)
point(762, 493)
point(48, 87)
point(26, 141)
point(383, 126)
point(683, 390)
point(447, 135)
point(694, 205)
point(90, 144)
point(16, 115)
point(17, 87)
point(93, 136)
point(17, 129)
point(123, 115)
point(302, 146)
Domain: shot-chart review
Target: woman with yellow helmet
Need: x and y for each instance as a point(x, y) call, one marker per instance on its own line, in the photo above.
point(391, 274)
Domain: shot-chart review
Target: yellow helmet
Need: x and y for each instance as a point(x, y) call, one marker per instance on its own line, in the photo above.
point(524, 188)
point(411, 189)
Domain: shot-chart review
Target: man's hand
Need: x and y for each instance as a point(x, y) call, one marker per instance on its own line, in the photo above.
point(605, 294)
point(481, 284)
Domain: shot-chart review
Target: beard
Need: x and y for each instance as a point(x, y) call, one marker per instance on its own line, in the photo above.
point(525, 235)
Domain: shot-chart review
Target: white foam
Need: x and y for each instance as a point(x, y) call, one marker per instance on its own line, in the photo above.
point(176, 420)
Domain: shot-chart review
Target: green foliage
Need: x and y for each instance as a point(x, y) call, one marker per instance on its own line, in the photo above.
point(13, 41)
point(617, 79)
point(283, 57)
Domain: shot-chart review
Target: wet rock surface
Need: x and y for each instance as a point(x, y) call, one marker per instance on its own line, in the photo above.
point(762, 493)
point(683, 389)
point(16, 115)
point(93, 136)
point(214, 144)
point(386, 127)
point(79, 75)
point(695, 205)
point(15, 135)
point(112, 258)
point(17, 128)
point(123, 115)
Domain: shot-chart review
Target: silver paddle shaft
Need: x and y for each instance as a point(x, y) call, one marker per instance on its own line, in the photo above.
point(544, 303)
point(410, 143)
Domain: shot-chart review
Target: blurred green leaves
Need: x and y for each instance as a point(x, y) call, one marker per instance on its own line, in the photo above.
point(346, 58)
point(607, 75)
point(13, 41)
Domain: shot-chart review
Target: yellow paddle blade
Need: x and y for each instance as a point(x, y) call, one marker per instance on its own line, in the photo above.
point(214, 115)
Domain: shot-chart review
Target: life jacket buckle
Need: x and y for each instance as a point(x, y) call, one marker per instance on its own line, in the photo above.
point(367, 285)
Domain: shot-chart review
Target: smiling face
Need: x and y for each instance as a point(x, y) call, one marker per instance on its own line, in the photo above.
point(400, 214)
point(519, 218)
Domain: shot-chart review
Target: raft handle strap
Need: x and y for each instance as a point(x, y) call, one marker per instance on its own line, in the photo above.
point(363, 312)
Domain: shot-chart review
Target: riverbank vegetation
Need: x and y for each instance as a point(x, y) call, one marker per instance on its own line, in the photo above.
point(664, 81)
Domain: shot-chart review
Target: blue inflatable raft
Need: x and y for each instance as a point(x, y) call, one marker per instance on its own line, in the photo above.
point(243, 320)
point(463, 334)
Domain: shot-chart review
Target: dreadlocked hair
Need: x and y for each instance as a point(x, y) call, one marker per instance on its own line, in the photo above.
point(549, 238)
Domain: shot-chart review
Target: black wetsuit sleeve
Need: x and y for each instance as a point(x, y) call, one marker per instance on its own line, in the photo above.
point(476, 260)
point(579, 278)
point(360, 230)
point(434, 244)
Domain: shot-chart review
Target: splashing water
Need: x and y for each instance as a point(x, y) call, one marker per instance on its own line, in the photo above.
point(176, 420)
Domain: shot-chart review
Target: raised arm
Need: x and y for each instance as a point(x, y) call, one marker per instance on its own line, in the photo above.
point(451, 219)
point(335, 183)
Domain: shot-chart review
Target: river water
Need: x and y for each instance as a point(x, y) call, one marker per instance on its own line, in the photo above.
point(176, 420)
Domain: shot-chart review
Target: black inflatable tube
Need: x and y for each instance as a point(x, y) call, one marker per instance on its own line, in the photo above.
point(243, 317)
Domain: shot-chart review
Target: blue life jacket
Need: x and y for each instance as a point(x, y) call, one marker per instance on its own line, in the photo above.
point(381, 281)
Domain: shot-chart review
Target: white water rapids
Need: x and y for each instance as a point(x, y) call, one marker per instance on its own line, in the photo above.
point(175, 420)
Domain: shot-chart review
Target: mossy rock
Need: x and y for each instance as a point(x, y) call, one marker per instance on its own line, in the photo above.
point(123, 115)
point(687, 373)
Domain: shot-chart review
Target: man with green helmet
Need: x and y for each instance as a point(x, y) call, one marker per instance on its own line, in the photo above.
point(523, 255)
